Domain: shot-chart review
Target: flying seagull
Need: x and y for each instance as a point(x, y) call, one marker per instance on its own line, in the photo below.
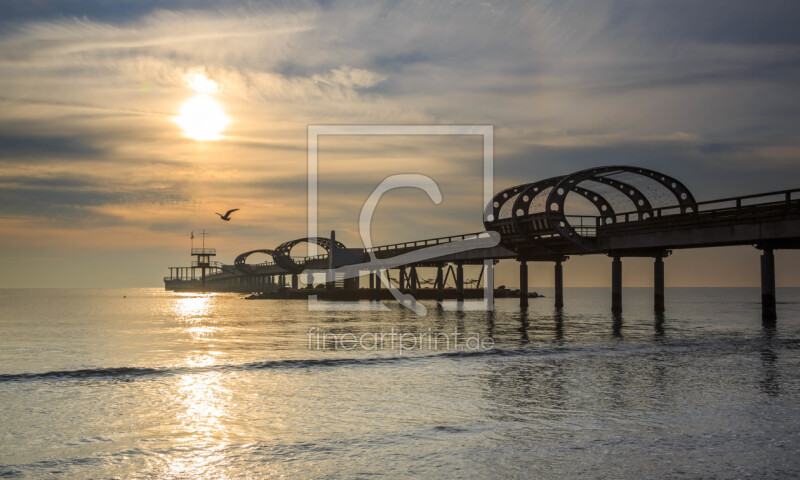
point(227, 216)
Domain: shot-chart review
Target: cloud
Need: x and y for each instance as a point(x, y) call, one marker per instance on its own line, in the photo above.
point(707, 91)
point(70, 198)
point(21, 146)
point(714, 21)
point(346, 76)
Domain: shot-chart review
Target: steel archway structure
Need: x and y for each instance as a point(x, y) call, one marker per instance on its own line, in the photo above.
point(535, 214)
point(241, 261)
point(282, 253)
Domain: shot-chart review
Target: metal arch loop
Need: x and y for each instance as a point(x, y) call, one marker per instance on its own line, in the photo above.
point(678, 190)
point(492, 212)
point(639, 199)
point(521, 207)
point(522, 204)
point(282, 253)
point(241, 261)
point(682, 193)
point(597, 200)
point(554, 207)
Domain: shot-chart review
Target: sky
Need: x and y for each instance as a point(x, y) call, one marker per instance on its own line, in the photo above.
point(125, 125)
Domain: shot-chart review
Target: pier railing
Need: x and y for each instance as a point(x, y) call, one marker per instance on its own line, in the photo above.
point(423, 243)
point(402, 245)
point(781, 199)
point(204, 251)
point(585, 225)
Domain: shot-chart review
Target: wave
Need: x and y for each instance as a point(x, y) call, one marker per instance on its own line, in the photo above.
point(132, 373)
point(137, 372)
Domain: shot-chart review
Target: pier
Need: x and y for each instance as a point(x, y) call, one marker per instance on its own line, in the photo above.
point(534, 225)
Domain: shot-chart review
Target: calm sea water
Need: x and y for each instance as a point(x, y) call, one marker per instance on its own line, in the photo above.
point(143, 383)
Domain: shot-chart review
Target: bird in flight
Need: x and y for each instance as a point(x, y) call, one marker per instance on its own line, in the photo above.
point(227, 216)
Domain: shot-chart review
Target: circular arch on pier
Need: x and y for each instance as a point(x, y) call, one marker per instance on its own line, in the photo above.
point(241, 261)
point(641, 198)
point(524, 195)
point(282, 254)
point(603, 187)
point(522, 205)
point(492, 212)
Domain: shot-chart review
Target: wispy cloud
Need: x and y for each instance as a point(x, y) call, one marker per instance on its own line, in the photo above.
point(89, 91)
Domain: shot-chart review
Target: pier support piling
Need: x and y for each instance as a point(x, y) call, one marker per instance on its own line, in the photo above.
point(768, 310)
point(616, 285)
point(351, 283)
point(658, 284)
point(295, 281)
point(383, 278)
point(460, 282)
point(413, 280)
point(523, 284)
point(439, 283)
point(559, 284)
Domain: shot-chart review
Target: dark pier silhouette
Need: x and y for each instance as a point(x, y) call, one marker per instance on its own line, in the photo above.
point(640, 213)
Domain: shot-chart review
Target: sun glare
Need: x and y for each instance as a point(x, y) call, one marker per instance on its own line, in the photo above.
point(202, 118)
point(201, 84)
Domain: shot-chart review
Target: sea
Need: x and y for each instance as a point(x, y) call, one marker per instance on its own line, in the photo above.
point(143, 383)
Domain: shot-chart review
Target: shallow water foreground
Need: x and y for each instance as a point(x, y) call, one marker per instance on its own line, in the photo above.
point(142, 383)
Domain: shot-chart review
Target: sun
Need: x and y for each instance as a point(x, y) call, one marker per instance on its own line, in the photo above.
point(202, 118)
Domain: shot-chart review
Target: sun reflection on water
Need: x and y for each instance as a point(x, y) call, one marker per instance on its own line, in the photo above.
point(198, 313)
point(202, 399)
point(193, 306)
point(201, 436)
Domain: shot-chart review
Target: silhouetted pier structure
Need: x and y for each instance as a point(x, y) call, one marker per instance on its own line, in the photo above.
point(640, 213)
